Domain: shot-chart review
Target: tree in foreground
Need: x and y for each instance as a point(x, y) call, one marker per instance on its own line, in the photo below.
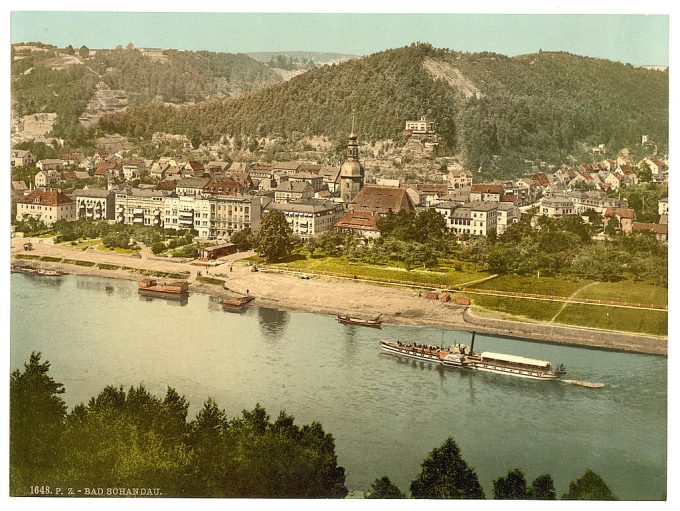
point(589, 487)
point(511, 487)
point(274, 238)
point(446, 475)
point(36, 422)
point(543, 488)
point(383, 488)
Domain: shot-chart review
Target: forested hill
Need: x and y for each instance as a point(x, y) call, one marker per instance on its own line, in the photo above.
point(49, 79)
point(494, 110)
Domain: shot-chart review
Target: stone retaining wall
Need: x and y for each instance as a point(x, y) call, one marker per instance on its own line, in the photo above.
point(577, 336)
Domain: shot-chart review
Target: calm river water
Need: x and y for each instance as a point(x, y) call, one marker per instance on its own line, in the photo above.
point(385, 413)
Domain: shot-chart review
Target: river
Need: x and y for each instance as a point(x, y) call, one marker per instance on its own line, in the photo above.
point(385, 413)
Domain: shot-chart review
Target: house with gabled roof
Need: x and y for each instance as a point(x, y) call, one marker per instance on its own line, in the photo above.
point(47, 205)
point(382, 200)
point(361, 223)
point(659, 230)
point(289, 191)
point(624, 216)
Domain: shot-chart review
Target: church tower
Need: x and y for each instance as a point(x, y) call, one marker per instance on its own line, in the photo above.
point(352, 171)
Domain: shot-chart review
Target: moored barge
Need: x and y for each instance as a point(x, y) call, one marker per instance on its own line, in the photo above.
point(173, 290)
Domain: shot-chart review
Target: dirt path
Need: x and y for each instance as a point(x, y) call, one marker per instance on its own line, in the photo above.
point(570, 297)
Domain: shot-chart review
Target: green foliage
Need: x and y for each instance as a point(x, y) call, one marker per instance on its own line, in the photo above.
point(603, 262)
point(543, 488)
point(158, 247)
point(243, 239)
point(383, 488)
point(542, 107)
point(117, 240)
point(590, 486)
point(644, 199)
point(36, 423)
point(184, 76)
point(210, 280)
point(446, 475)
point(274, 240)
point(136, 440)
point(511, 487)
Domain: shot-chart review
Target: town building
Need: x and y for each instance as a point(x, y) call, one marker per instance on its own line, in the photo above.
point(188, 212)
point(191, 185)
point(50, 164)
point(506, 215)
point(475, 218)
point(290, 191)
point(95, 204)
point(460, 179)
point(659, 230)
point(382, 200)
point(308, 217)
point(624, 216)
point(233, 214)
point(352, 171)
point(485, 192)
point(663, 206)
point(556, 207)
point(46, 205)
point(22, 158)
point(360, 223)
point(141, 207)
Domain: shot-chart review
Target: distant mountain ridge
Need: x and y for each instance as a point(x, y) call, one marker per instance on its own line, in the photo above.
point(493, 110)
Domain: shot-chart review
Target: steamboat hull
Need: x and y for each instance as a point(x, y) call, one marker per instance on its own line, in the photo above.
point(467, 362)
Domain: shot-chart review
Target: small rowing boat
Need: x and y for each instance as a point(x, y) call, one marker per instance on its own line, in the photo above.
point(349, 320)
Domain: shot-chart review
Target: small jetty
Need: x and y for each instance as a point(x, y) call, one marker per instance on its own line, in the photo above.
point(174, 290)
point(349, 320)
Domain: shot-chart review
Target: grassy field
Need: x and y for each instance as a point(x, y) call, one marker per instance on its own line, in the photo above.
point(627, 291)
point(444, 277)
point(593, 316)
point(515, 308)
point(615, 318)
point(555, 286)
point(117, 250)
point(81, 244)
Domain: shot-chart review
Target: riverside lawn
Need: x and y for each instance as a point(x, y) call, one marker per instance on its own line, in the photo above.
point(652, 322)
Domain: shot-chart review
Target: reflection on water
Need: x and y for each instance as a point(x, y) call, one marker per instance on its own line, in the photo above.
point(47, 281)
point(172, 302)
point(272, 321)
point(107, 286)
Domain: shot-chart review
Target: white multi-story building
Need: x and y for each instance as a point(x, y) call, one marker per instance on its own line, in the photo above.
point(309, 217)
point(95, 204)
point(141, 207)
point(188, 212)
point(506, 215)
point(556, 207)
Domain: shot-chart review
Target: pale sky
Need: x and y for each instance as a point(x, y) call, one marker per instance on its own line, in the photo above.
point(637, 39)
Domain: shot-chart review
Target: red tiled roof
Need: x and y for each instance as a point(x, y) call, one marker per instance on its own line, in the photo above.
point(359, 220)
point(620, 212)
point(46, 198)
point(486, 188)
point(655, 228)
point(383, 200)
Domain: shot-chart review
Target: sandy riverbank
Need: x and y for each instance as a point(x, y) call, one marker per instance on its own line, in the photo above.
point(331, 296)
